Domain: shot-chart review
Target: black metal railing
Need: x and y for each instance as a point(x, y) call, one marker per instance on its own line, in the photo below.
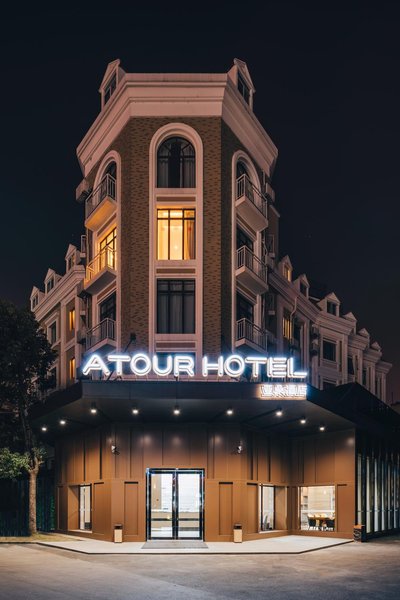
point(246, 258)
point(105, 330)
point(106, 188)
point(246, 330)
point(244, 187)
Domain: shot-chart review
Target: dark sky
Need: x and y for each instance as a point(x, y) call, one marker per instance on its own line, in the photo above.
point(328, 93)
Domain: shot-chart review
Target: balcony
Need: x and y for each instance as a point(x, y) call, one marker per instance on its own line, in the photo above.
point(101, 270)
point(251, 204)
point(249, 336)
point(101, 203)
point(251, 272)
point(101, 335)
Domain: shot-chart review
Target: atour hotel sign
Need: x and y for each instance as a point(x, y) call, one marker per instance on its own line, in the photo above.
point(291, 382)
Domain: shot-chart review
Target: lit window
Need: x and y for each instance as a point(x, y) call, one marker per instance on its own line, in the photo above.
point(267, 507)
point(244, 89)
point(175, 234)
point(85, 508)
point(317, 508)
point(287, 325)
point(287, 272)
point(71, 319)
point(107, 248)
point(53, 333)
point(329, 350)
point(49, 285)
point(71, 368)
point(110, 88)
point(176, 164)
point(175, 306)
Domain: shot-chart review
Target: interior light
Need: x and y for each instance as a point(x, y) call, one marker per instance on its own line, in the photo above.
point(93, 408)
point(44, 428)
point(279, 412)
point(177, 410)
point(303, 420)
point(135, 411)
point(322, 427)
point(63, 422)
point(229, 411)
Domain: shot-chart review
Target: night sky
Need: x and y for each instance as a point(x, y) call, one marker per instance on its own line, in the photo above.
point(327, 92)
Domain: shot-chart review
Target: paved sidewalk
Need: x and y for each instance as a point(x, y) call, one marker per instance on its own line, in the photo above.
point(288, 544)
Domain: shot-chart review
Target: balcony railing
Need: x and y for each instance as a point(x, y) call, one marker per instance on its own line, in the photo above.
point(246, 258)
point(244, 187)
point(105, 330)
point(246, 330)
point(106, 188)
point(106, 258)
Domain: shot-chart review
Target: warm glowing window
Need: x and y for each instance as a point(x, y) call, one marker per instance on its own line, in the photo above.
point(71, 368)
point(287, 325)
point(107, 248)
point(71, 319)
point(287, 272)
point(317, 508)
point(175, 234)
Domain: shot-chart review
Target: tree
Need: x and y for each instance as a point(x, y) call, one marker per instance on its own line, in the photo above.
point(25, 359)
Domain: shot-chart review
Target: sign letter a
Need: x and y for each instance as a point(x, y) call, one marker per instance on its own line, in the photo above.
point(95, 363)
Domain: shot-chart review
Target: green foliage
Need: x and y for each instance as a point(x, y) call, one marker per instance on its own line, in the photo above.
point(25, 358)
point(12, 464)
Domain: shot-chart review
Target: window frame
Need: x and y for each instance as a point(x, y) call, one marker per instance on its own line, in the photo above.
point(71, 319)
point(332, 343)
point(183, 163)
point(169, 295)
point(183, 220)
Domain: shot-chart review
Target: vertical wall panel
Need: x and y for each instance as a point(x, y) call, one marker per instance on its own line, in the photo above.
point(280, 507)
point(136, 454)
point(79, 460)
point(152, 447)
point(252, 513)
point(92, 455)
point(122, 460)
point(225, 508)
point(309, 461)
point(344, 456)
point(345, 508)
point(131, 507)
point(325, 459)
point(101, 522)
point(176, 447)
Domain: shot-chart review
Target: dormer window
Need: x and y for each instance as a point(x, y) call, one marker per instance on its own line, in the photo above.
point(35, 301)
point(110, 88)
point(49, 285)
point(331, 308)
point(303, 289)
point(70, 262)
point(244, 89)
point(287, 272)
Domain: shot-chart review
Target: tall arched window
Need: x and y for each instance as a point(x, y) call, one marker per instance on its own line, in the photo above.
point(176, 164)
point(241, 169)
point(107, 184)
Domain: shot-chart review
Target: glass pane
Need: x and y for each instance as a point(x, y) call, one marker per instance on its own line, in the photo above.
point(189, 505)
point(85, 521)
point(175, 234)
point(161, 505)
point(162, 239)
point(188, 250)
point(317, 507)
point(267, 507)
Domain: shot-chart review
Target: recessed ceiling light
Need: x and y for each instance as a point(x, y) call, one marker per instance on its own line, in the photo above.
point(135, 411)
point(63, 422)
point(322, 427)
point(177, 410)
point(229, 411)
point(303, 420)
point(44, 428)
point(93, 408)
point(279, 412)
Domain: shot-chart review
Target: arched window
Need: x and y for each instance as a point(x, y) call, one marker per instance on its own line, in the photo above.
point(176, 164)
point(107, 185)
point(241, 169)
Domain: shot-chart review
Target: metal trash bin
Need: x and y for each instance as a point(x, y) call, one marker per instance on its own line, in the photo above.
point(359, 533)
point(237, 533)
point(118, 533)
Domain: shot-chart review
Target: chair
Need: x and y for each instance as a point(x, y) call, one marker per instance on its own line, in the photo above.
point(330, 524)
point(312, 522)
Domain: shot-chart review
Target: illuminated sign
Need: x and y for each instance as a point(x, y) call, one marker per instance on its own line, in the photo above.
point(141, 365)
point(284, 390)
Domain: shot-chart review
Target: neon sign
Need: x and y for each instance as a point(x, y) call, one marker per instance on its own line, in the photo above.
point(234, 365)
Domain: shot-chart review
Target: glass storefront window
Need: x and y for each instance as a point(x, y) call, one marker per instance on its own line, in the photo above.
point(85, 508)
point(317, 507)
point(267, 507)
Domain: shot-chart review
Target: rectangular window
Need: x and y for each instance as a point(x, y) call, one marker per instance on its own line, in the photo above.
point(244, 309)
point(110, 88)
point(287, 325)
point(329, 350)
point(35, 301)
point(71, 319)
point(108, 308)
point(364, 376)
point(85, 507)
point(70, 262)
point(242, 239)
point(331, 308)
point(303, 289)
point(49, 285)
point(71, 369)
point(107, 247)
point(243, 89)
point(267, 507)
point(317, 508)
point(176, 234)
point(175, 306)
point(53, 333)
point(350, 365)
point(327, 385)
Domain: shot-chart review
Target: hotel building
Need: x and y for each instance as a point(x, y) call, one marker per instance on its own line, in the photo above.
point(180, 261)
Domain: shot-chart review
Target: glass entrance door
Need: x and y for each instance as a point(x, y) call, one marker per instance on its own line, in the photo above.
point(175, 504)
